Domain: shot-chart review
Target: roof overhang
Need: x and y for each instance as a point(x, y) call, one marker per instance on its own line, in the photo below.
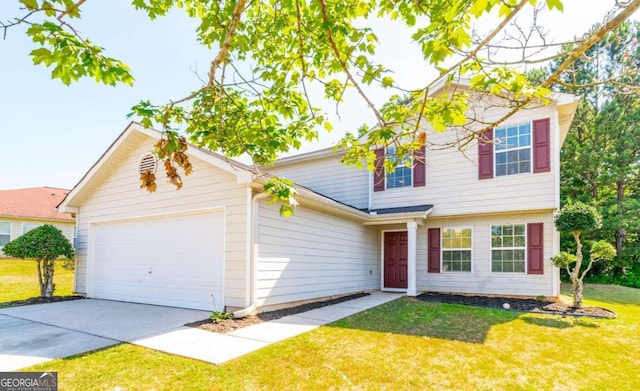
point(399, 215)
point(309, 198)
point(567, 105)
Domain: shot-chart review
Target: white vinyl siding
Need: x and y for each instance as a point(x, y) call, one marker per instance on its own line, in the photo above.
point(313, 255)
point(328, 177)
point(453, 187)
point(119, 197)
point(482, 280)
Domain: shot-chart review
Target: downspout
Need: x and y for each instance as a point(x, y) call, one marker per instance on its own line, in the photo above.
point(555, 239)
point(369, 190)
point(253, 229)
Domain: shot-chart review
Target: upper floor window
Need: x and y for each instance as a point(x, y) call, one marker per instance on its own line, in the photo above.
point(456, 249)
point(508, 246)
point(26, 227)
point(401, 176)
point(513, 149)
point(5, 232)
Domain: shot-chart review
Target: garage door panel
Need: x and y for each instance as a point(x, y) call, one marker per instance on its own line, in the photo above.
point(175, 261)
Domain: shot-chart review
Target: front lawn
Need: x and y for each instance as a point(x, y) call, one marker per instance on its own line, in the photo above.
point(405, 344)
point(19, 280)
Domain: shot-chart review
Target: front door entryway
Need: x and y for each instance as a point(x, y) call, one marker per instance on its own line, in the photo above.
point(395, 260)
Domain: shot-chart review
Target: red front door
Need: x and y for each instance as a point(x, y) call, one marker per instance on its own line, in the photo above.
point(395, 259)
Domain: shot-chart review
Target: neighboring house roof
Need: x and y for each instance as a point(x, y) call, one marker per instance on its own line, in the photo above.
point(38, 203)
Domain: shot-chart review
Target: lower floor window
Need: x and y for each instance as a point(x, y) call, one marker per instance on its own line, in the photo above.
point(5, 232)
point(456, 249)
point(26, 227)
point(508, 247)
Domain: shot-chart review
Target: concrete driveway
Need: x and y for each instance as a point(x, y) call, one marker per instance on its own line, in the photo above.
point(38, 333)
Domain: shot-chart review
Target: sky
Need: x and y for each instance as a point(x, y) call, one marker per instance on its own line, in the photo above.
point(51, 134)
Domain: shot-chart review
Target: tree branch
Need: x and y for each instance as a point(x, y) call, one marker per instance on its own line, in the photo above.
point(70, 9)
point(226, 44)
point(343, 64)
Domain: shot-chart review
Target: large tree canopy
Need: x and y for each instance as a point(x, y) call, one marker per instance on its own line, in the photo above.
point(258, 96)
point(600, 160)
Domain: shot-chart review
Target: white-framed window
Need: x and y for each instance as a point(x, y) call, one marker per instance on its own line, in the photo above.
point(513, 149)
point(5, 232)
point(508, 248)
point(402, 175)
point(456, 249)
point(26, 227)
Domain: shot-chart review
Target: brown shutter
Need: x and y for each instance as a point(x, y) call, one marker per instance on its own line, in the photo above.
point(541, 146)
point(434, 250)
point(535, 253)
point(418, 167)
point(485, 155)
point(378, 174)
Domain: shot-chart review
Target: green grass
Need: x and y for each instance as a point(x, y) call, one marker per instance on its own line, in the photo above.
point(405, 344)
point(19, 280)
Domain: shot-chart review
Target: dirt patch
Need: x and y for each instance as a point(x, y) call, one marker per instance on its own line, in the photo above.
point(38, 300)
point(524, 305)
point(228, 325)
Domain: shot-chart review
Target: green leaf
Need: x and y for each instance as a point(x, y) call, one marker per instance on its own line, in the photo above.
point(30, 4)
point(557, 4)
point(387, 82)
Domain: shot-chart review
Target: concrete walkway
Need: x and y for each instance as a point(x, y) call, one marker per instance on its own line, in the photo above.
point(219, 348)
point(39, 333)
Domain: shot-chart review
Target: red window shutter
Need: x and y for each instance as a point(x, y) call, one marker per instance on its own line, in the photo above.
point(434, 250)
point(541, 146)
point(485, 155)
point(535, 253)
point(419, 171)
point(378, 174)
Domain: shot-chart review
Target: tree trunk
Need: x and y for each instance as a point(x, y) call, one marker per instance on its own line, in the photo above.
point(620, 234)
point(576, 281)
point(48, 278)
point(576, 288)
point(40, 278)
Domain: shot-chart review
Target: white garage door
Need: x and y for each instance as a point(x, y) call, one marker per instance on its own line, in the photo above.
point(174, 261)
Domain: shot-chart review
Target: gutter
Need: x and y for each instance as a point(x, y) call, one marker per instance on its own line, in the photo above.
point(254, 254)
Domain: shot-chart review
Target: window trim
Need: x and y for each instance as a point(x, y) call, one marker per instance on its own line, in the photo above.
point(9, 233)
point(495, 151)
point(442, 249)
point(525, 248)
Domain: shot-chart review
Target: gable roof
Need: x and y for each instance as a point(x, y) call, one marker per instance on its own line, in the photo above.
point(126, 142)
point(566, 106)
point(37, 203)
point(135, 133)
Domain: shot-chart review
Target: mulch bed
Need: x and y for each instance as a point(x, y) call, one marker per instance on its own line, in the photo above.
point(39, 300)
point(524, 305)
point(228, 325)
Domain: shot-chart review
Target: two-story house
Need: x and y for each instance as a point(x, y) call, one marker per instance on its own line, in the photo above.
point(479, 222)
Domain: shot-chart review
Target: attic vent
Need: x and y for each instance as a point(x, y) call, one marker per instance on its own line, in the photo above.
point(147, 162)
